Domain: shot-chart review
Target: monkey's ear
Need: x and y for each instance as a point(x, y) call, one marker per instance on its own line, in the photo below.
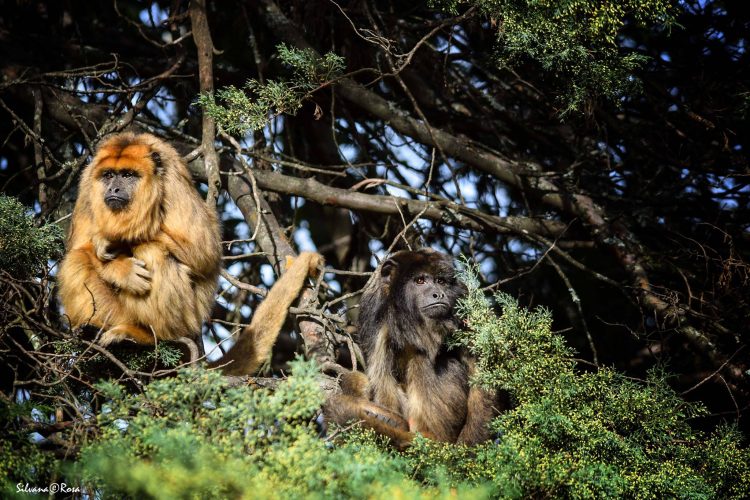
point(158, 165)
point(388, 271)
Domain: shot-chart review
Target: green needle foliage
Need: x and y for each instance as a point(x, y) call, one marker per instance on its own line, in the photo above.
point(569, 434)
point(24, 247)
point(574, 42)
point(193, 436)
point(251, 108)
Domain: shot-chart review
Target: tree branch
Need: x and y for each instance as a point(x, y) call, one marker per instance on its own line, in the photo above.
point(271, 239)
point(526, 177)
point(445, 212)
point(202, 38)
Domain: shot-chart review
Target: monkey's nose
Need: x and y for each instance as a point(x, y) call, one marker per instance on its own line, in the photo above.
point(438, 295)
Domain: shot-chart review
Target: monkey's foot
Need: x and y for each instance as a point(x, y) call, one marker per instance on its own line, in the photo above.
point(383, 418)
point(126, 332)
point(392, 419)
point(112, 337)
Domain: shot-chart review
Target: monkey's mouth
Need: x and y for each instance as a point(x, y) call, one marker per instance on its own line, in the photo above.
point(437, 306)
point(115, 203)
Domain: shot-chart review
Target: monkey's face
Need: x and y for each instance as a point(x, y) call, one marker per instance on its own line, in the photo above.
point(433, 295)
point(421, 284)
point(119, 187)
point(123, 173)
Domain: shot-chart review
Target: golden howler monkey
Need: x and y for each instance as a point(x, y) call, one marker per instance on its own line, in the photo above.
point(415, 382)
point(144, 254)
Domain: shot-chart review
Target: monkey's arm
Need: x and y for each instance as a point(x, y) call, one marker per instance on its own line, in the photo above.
point(126, 273)
point(198, 251)
point(255, 342)
point(123, 273)
point(90, 253)
point(478, 415)
point(482, 406)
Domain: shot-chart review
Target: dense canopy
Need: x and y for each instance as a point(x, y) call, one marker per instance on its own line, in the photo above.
point(589, 156)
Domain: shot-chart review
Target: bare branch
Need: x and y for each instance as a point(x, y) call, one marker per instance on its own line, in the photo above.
point(202, 38)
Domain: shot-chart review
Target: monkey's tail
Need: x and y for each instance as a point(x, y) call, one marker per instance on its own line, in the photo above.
point(256, 341)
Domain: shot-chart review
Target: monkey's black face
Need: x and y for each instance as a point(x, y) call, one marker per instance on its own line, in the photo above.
point(119, 187)
point(434, 296)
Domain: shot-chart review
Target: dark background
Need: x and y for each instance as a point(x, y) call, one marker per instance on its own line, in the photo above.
point(628, 218)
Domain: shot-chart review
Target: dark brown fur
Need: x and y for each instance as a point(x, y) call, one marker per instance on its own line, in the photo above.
point(411, 372)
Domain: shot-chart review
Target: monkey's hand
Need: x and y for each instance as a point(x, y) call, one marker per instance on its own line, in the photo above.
point(344, 410)
point(139, 279)
point(104, 249)
point(128, 274)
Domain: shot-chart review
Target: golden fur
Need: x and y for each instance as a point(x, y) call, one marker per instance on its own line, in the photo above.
point(255, 342)
point(148, 271)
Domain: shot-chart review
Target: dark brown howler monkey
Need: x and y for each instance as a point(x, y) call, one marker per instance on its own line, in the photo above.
point(414, 382)
point(143, 255)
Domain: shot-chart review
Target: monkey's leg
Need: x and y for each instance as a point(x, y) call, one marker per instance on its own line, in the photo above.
point(344, 409)
point(479, 412)
point(481, 407)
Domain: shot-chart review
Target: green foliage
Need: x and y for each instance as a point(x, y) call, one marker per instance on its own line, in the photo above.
point(24, 247)
point(579, 435)
point(252, 107)
point(573, 41)
point(162, 356)
point(21, 461)
point(569, 434)
point(195, 436)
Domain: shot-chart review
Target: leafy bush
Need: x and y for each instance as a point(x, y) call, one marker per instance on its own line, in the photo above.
point(569, 434)
point(574, 42)
point(579, 435)
point(196, 436)
point(24, 247)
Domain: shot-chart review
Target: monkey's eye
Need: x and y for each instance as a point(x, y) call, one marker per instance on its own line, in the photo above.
point(128, 174)
point(108, 174)
point(420, 280)
point(440, 281)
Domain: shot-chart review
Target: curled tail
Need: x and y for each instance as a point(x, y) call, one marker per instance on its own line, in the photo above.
point(255, 342)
